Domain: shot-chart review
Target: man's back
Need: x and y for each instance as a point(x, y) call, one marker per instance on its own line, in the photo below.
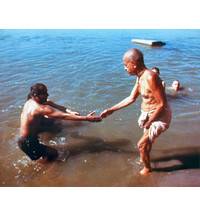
point(30, 119)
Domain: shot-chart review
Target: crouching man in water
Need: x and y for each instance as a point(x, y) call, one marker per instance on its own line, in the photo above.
point(155, 113)
point(35, 109)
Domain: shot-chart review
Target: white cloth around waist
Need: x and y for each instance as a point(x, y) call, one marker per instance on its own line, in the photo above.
point(158, 126)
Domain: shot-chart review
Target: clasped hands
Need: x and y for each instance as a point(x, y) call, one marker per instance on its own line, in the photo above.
point(94, 118)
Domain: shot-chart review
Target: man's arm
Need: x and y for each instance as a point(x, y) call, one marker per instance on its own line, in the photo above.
point(158, 93)
point(50, 112)
point(124, 103)
point(61, 108)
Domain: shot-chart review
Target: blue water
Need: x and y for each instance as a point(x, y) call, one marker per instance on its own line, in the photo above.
point(83, 69)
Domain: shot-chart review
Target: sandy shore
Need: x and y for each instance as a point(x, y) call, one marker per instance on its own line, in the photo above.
point(95, 162)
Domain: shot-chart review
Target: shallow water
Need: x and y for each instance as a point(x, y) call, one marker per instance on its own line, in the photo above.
point(83, 70)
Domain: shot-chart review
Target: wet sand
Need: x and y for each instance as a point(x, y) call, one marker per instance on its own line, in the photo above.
point(104, 154)
point(91, 161)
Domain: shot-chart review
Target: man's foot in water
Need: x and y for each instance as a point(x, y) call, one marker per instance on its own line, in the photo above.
point(145, 171)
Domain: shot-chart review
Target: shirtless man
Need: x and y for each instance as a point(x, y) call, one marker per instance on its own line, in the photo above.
point(36, 108)
point(155, 113)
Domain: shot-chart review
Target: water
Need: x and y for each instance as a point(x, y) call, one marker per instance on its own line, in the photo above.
point(83, 70)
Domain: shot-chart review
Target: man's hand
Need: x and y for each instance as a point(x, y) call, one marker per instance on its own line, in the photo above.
point(106, 113)
point(92, 118)
point(147, 125)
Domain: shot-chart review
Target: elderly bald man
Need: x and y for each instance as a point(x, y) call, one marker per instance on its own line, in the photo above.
point(155, 112)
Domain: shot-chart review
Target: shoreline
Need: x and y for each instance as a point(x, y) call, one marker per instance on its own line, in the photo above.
point(106, 165)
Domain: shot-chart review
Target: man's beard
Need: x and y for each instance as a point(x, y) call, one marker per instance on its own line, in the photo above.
point(43, 101)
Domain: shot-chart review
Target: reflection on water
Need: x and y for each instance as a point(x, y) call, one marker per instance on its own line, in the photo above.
point(83, 71)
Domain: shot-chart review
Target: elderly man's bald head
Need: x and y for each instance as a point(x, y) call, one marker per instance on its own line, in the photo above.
point(134, 55)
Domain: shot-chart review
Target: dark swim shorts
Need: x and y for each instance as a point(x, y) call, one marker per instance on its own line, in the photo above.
point(34, 149)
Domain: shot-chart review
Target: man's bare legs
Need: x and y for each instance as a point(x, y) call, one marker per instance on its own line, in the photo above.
point(144, 146)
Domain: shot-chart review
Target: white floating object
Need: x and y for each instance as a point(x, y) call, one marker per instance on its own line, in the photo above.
point(148, 42)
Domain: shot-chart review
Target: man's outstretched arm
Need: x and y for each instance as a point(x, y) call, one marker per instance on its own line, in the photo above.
point(61, 108)
point(124, 103)
point(50, 112)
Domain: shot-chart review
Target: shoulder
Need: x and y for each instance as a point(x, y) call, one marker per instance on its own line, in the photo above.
point(153, 80)
point(35, 109)
point(151, 76)
point(30, 106)
point(27, 104)
point(45, 109)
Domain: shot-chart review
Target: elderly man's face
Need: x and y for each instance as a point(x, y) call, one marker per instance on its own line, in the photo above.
point(130, 66)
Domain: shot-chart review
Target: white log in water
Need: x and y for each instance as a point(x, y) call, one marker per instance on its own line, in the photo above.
point(148, 42)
